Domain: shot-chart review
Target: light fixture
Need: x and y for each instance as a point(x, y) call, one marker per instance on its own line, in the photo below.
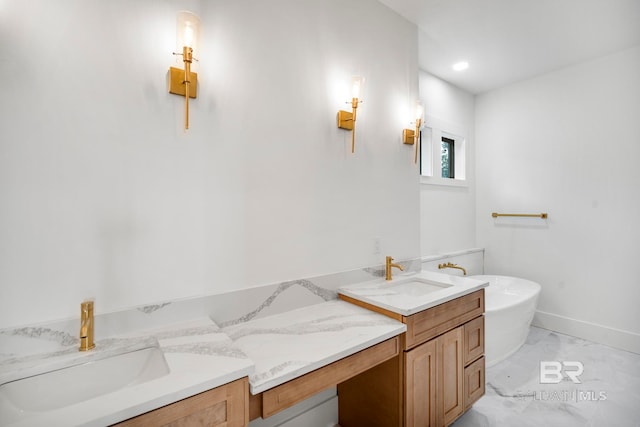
point(411, 136)
point(460, 66)
point(184, 82)
point(346, 119)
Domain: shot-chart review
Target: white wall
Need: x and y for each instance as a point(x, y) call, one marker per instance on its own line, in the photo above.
point(447, 219)
point(103, 195)
point(567, 143)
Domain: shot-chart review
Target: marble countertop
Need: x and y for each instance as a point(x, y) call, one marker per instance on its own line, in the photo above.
point(198, 354)
point(287, 345)
point(411, 293)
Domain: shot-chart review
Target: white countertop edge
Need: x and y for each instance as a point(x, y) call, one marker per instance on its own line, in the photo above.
point(408, 312)
point(95, 413)
point(460, 286)
point(169, 398)
point(269, 384)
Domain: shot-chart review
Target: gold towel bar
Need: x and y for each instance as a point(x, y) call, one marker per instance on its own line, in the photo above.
point(540, 215)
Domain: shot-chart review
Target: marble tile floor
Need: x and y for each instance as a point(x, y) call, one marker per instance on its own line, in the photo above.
point(608, 393)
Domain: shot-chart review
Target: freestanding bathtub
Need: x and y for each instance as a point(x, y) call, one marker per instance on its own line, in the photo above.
point(510, 303)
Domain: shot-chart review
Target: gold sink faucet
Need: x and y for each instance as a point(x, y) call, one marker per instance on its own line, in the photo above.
point(450, 265)
point(86, 326)
point(389, 265)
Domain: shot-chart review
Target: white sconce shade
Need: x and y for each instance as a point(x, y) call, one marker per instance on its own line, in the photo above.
point(419, 111)
point(357, 86)
point(187, 31)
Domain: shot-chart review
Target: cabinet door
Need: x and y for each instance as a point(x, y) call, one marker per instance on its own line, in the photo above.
point(473, 382)
point(473, 339)
point(450, 382)
point(420, 386)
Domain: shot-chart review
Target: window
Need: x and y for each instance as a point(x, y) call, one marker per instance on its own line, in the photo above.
point(447, 151)
point(442, 153)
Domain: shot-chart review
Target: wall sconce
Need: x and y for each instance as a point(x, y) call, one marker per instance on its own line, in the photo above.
point(184, 82)
point(411, 136)
point(346, 119)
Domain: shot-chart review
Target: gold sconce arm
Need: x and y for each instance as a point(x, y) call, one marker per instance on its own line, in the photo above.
point(184, 82)
point(347, 120)
point(412, 136)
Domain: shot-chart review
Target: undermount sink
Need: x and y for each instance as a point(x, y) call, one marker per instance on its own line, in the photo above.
point(417, 286)
point(74, 384)
point(410, 293)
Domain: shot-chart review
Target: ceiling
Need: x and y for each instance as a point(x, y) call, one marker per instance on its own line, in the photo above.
point(506, 41)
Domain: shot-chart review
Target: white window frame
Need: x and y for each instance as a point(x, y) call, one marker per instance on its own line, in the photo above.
point(432, 133)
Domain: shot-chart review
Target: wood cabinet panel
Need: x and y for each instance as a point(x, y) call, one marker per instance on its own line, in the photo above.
point(420, 386)
point(474, 386)
point(428, 324)
point(450, 368)
point(473, 339)
point(224, 406)
point(373, 398)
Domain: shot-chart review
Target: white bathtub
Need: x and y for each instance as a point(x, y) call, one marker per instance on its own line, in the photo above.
point(510, 303)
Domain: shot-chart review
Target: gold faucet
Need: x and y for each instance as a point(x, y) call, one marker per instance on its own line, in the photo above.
point(450, 265)
point(389, 265)
point(86, 326)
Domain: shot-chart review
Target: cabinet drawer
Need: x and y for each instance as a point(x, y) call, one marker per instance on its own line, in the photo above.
point(288, 394)
point(226, 406)
point(430, 323)
point(473, 382)
point(473, 339)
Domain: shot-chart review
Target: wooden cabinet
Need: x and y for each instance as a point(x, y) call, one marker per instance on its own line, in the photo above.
point(440, 372)
point(420, 385)
point(434, 377)
point(224, 406)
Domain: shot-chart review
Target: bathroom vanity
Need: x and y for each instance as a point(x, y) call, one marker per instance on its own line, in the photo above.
point(438, 374)
point(403, 352)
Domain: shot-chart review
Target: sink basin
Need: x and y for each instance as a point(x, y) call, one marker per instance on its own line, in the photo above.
point(417, 287)
point(411, 293)
point(74, 384)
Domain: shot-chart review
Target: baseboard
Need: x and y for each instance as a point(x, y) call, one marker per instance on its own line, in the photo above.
point(617, 338)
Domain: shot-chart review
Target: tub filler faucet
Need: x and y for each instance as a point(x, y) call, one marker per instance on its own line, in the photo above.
point(86, 326)
point(451, 265)
point(389, 265)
